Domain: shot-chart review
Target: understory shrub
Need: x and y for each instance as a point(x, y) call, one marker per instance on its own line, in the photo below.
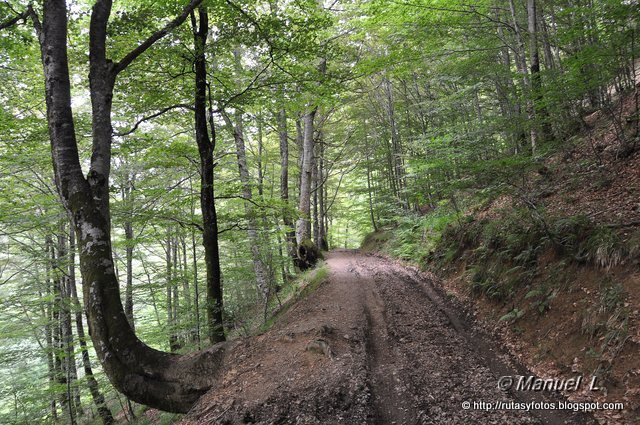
point(503, 253)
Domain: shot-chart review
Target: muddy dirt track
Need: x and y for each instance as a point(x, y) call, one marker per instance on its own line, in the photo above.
point(377, 343)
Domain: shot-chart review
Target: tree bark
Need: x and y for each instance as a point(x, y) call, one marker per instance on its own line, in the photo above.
point(315, 185)
point(69, 370)
point(259, 267)
point(186, 293)
point(206, 146)
point(303, 225)
point(284, 182)
point(521, 64)
point(176, 295)
point(397, 154)
point(127, 195)
point(49, 331)
point(320, 188)
point(59, 332)
point(534, 63)
point(157, 379)
point(170, 287)
point(369, 187)
point(300, 149)
point(259, 158)
point(549, 59)
point(94, 389)
point(536, 78)
point(196, 290)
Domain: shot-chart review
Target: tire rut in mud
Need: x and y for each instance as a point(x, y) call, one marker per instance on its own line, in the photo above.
point(398, 352)
point(427, 330)
point(386, 380)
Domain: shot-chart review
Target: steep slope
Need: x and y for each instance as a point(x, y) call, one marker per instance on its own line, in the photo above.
point(552, 267)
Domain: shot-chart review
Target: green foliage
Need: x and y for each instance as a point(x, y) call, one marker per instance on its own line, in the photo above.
point(375, 241)
point(608, 321)
point(304, 285)
point(580, 239)
point(423, 115)
point(512, 315)
point(542, 297)
point(504, 252)
point(413, 238)
point(606, 248)
point(571, 235)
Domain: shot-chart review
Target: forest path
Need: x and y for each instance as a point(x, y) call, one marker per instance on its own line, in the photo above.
point(377, 343)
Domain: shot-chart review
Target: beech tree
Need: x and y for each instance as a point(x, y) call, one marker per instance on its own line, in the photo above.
point(167, 381)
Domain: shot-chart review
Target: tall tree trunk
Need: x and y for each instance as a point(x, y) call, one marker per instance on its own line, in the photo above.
point(196, 289)
point(540, 111)
point(127, 195)
point(69, 370)
point(92, 384)
point(369, 188)
point(59, 333)
point(303, 225)
point(315, 185)
point(534, 63)
point(175, 335)
point(259, 266)
point(322, 228)
point(300, 149)
point(521, 64)
point(49, 330)
point(186, 293)
point(260, 154)
point(206, 147)
point(506, 92)
point(549, 59)
point(169, 282)
point(284, 182)
point(148, 376)
point(396, 146)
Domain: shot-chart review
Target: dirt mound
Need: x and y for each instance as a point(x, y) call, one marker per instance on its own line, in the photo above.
point(377, 344)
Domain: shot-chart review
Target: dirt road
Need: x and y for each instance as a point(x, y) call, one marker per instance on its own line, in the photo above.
point(377, 343)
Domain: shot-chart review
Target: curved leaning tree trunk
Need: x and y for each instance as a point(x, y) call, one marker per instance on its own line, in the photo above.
point(158, 379)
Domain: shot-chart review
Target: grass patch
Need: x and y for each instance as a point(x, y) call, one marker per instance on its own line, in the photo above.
point(607, 323)
point(375, 241)
point(258, 319)
point(304, 285)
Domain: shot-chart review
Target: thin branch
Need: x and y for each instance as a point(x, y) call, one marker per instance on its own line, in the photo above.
point(183, 223)
point(335, 195)
point(235, 226)
point(131, 56)
point(246, 199)
point(250, 18)
point(29, 12)
point(7, 280)
point(245, 90)
point(11, 22)
point(155, 115)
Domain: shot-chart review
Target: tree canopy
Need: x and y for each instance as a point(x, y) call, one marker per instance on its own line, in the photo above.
point(181, 161)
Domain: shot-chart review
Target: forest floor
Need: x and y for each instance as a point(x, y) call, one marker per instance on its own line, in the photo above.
point(376, 343)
